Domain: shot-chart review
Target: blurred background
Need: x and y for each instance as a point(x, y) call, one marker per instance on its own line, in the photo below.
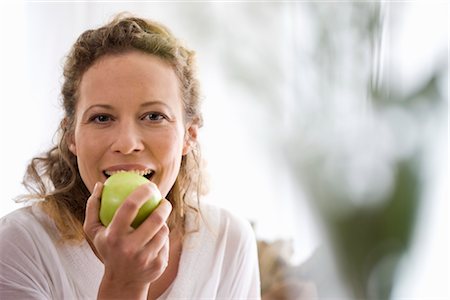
point(326, 126)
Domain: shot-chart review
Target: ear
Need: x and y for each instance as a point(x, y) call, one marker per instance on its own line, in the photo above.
point(68, 136)
point(70, 140)
point(190, 137)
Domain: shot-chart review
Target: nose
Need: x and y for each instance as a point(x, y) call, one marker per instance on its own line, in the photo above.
point(127, 139)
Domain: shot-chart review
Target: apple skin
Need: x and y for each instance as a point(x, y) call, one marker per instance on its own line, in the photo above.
point(117, 188)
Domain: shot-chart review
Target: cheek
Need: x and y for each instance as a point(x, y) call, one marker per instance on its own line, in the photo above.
point(169, 154)
point(87, 146)
point(169, 145)
point(88, 155)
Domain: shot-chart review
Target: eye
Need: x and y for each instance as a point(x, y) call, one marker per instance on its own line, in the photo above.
point(100, 119)
point(155, 117)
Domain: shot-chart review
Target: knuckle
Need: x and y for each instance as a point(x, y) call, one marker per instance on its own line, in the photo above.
point(163, 235)
point(145, 190)
point(151, 186)
point(112, 240)
point(157, 218)
point(168, 206)
point(142, 259)
point(159, 238)
point(127, 251)
point(91, 200)
point(130, 205)
point(159, 263)
point(89, 204)
point(165, 230)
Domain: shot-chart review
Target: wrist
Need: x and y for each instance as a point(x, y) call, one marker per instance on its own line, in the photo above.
point(112, 289)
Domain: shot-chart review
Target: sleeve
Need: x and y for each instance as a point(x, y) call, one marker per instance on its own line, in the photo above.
point(240, 273)
point(21, 275)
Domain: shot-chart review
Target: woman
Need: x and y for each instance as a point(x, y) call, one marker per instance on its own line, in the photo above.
point(131, 103)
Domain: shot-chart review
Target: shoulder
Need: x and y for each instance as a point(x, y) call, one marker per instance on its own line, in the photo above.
point(28, 220)
point(19, 229)
point(26, 232)
point(26, 251)
point(226, 224)
point(220, 253)
point(17, 223)
point(233, 253)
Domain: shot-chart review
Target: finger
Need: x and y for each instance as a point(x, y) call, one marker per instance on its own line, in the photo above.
point(161, 261)
point(153, 224)
point(92, 221)
point(164, 254)
point(127, 211)
point(158, 241)
point(94, 249)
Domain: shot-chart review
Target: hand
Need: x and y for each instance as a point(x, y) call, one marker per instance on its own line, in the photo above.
point(133, 258)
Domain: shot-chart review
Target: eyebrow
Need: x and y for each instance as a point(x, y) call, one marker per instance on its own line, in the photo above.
point(143, 105)
point(104, 106)
point(155, 102)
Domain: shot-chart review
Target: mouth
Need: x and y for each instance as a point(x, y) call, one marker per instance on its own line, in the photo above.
point(146, 173)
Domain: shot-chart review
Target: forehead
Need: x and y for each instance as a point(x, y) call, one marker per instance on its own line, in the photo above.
point(129, 76)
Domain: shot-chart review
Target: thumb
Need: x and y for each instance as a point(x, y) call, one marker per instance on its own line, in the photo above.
point(92, 222)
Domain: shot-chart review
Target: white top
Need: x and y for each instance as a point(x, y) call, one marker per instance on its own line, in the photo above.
point(218, 262)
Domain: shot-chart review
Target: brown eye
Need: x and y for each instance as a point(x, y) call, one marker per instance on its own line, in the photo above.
point(100, 118)
point(155, 117)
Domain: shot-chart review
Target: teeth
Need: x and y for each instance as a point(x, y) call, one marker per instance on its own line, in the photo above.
point(139, 172)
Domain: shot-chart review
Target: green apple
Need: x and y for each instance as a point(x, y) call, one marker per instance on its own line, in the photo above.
point(117, 188)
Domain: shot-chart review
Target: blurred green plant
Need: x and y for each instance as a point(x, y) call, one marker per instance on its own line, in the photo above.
point(362, 166)
point(369, 241)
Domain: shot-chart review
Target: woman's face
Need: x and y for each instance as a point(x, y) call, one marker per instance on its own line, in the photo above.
point(129, 116)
